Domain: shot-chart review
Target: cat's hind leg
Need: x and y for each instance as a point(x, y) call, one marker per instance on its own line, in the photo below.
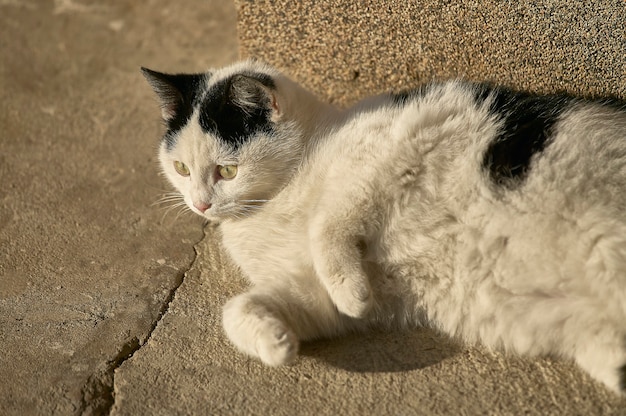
point(601, 346)
point(601, 351)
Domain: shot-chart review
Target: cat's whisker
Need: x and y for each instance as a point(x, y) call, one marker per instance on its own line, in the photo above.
point(246, 207)
point(241, 211)
point(168, 197)
point(165, 201)
point(180, 206)
point(172, 194)
point(170, 207)
point(182, 210)
point(237, 210)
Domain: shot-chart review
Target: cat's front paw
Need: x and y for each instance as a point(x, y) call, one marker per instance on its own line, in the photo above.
point(277, 346)
point(352, 297)
point(250, 325)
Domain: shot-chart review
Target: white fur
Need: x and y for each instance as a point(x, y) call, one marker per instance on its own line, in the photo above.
point(382, 214)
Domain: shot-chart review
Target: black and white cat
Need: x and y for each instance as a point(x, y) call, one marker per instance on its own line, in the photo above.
point(495, 216)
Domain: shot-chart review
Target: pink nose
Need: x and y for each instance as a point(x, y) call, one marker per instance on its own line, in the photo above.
point(201, 206)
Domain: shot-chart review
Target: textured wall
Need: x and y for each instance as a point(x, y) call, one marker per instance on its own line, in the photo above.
point(344, 50)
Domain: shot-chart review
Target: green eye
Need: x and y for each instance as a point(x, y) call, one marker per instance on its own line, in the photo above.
point(228, 171)
point(181, 168)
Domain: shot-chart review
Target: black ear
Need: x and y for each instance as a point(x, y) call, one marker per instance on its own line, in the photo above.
point(174, 91)
point(253, 93)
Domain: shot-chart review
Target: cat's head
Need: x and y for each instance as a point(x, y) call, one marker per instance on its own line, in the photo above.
point(232, 141)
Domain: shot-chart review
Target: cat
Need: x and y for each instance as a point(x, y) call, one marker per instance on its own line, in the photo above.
point(495, 216)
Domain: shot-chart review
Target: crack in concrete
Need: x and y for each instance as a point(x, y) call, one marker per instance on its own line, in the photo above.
point(98, 393)
point(98, 396)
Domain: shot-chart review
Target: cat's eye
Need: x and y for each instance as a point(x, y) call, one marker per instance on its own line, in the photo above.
point(227, 171)
point(181, 168)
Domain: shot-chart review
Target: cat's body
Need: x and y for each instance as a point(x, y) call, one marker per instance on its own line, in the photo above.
point(494, 216)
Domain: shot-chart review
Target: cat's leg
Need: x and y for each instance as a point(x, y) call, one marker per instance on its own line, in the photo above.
point(601, 351)
point(600, 347)
point(270, 324)
point(577, 328)
point(337, 241)
point(253, 323)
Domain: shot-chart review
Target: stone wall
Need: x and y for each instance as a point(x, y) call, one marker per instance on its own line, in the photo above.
point(344, 50)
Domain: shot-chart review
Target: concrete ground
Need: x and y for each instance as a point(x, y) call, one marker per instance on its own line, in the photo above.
point(110, 304)
point(88, 263)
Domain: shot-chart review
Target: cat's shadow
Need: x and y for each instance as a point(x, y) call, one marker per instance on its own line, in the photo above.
point(384, 351)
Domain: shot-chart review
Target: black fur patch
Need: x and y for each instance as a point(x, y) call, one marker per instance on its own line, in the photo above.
point(223, 113)
point(527, 123)
point(612, 102)
point(401, 98)
point(622, 378)
point(178, 93)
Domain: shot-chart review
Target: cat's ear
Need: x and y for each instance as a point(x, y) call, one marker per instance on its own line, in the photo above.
point(252, 93)
point(174, 91)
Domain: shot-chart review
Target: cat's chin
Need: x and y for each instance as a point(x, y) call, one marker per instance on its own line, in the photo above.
point(209, 216)
point(214, 217)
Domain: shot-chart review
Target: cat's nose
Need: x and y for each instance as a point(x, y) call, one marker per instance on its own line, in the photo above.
point(201, 206)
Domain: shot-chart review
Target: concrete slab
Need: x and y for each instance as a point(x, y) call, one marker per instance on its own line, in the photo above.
point(87, 263)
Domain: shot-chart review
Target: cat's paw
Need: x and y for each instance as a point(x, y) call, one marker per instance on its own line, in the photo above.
point(352, 297)
point(252, 328)
point(604, 358)
point(277, 345)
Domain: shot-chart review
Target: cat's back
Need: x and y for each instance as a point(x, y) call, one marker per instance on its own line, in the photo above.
point(502, 140)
